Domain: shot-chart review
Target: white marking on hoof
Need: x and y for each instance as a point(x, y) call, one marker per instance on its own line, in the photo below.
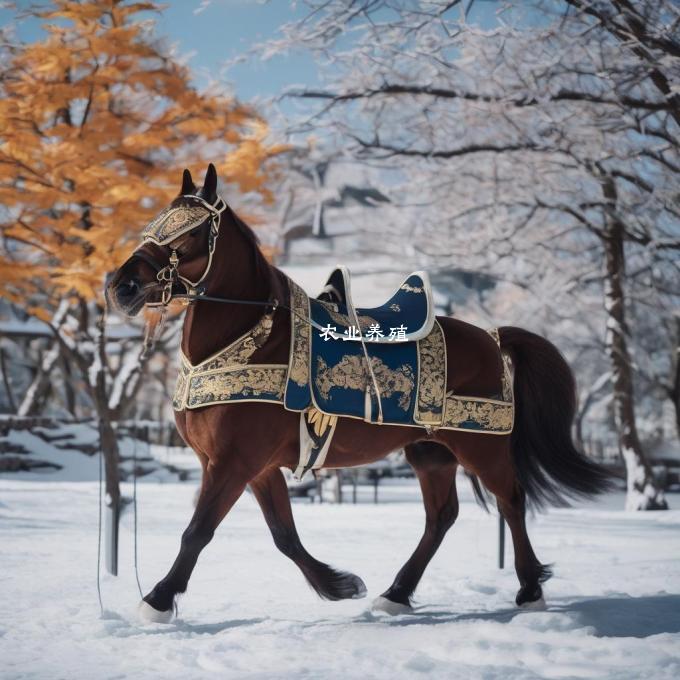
point(150, 614)
point(361, 589)
point(537, 605)
point(382, 604)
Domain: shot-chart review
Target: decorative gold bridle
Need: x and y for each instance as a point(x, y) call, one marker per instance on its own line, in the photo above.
point(174, 222)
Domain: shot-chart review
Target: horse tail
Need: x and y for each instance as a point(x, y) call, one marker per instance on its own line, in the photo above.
point(549, 467)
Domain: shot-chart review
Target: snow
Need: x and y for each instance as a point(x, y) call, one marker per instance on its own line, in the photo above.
point(94, 369)
point(613, 605)
point(31, 326)
point(59, 447)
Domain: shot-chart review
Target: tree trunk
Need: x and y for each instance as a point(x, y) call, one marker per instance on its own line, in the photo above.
point(643, 491)
point(674, 390)
point(109, 447)
point(69, 392)
point(6, 382)
point(107, 435)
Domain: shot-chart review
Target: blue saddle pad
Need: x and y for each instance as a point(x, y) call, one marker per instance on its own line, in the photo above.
point(340, 379)
point(330, 373)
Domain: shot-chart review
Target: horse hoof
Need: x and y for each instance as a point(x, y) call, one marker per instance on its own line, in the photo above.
point(149, 614)
point(360, 589)
point(382, 604)
point(530, 597)
point(537, 605)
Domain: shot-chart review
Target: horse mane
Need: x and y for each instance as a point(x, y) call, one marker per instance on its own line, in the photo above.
point(263, 269)
point(247, 231)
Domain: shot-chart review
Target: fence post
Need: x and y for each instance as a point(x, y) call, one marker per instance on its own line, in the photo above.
point(112, 521)
point(501, 541)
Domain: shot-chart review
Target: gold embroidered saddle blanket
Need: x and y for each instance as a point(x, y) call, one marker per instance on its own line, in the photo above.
point(407, 384)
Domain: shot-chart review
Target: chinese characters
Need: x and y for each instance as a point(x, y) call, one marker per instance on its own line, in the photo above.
point(373, 334)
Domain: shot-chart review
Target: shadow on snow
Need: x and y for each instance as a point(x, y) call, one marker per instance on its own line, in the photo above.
point(620, 616)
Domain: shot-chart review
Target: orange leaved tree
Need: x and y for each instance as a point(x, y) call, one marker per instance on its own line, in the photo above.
point(96, 121)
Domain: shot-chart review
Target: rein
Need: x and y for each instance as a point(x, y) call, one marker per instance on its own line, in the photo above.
point(274, 304)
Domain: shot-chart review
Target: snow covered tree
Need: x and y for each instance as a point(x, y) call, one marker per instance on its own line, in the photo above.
point(541, 145)
point(97, 119)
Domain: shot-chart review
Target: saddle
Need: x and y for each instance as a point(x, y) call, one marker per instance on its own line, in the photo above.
point(407, 316)
point(397, 378)
point(364, 363)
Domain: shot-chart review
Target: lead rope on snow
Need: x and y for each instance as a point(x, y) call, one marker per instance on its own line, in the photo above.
point(134, 506)
point(99, 523)
point(99, 528)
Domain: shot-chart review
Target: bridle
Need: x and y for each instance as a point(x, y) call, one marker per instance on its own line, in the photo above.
point(164, 230)
point(159, 233)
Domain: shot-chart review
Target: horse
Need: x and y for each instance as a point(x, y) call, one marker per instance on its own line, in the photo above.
point(241, 444)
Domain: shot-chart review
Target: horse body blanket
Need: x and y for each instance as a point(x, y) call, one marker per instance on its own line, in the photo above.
point(406, 385)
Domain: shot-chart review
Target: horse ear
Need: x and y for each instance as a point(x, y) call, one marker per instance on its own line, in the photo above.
point(210, 183)
point(188, 186)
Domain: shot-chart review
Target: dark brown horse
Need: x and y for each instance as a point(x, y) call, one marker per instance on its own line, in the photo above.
point(248, 444)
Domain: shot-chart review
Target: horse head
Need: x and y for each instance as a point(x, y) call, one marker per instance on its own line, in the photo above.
point(176, 252)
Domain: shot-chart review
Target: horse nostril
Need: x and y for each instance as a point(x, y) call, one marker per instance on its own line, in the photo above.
point(129, 288)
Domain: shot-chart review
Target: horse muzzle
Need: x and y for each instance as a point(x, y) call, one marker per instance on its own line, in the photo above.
point(134, 284)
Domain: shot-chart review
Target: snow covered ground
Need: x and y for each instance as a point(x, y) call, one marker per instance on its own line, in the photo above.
point(613, 605)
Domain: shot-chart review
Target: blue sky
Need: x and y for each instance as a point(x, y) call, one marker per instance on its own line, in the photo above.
point(211, 32)
point(217, 30)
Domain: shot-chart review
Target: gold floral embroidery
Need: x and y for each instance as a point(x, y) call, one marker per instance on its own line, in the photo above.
point(239, 352)
point(179, 397)
point(484, 415)
point(432, 378)
point(226, 362)
point(174, 222)
point(350, 373)
point(411, 289)
point(506, 378)
point(298, 370)
point(265, 382)
point(493, 332)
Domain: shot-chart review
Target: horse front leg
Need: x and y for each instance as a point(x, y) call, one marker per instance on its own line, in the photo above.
point(221, 487)
point(271, 493)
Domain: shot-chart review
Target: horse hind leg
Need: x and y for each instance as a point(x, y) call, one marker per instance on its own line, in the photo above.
point(530, 572)
point(435, 467)
point(271, 493)
point(500, 478)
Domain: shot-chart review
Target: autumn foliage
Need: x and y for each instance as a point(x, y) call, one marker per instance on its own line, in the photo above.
point(96, 122)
